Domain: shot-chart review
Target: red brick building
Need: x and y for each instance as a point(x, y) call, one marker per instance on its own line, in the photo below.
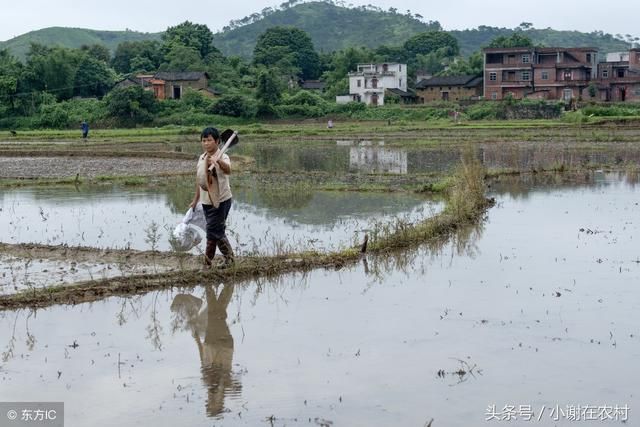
point(557, 73)
point(619, 77)
point(534, 72)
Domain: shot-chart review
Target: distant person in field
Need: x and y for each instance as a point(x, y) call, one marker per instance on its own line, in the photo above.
point(85, 129)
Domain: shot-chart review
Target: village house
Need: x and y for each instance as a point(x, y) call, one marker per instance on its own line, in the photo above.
point(449, 88)
point(561, 74)
point(534, 72)
point(171, 84)
point(619, 77)
point(370, 81)
point(313, 85)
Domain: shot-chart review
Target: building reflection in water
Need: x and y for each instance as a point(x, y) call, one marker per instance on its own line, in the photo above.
point(374, 157)
point(208, 326)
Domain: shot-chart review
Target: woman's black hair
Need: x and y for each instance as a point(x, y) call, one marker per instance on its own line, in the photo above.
point(210, 132)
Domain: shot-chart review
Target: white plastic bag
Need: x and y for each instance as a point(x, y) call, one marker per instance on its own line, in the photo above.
point(196, 217)
point(186, 236)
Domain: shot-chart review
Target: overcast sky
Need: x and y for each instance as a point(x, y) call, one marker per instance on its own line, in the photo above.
point(21, 16)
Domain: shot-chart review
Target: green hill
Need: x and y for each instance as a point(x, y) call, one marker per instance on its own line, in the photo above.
point(331, 27)
point(472, 40)
point(74, 38)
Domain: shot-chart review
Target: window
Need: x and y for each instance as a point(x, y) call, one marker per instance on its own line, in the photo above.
point(620, 72)
point(400, 82)
point(567, 74)
point(493, 77)
point(588, 57)
point(359, 83)
point(605, 74)
point(525, 59)
point(545, 75)
point(526, 76)
point(494, 95)
point(400, 67)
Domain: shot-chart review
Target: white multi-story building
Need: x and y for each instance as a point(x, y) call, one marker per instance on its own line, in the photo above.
point(370, 81)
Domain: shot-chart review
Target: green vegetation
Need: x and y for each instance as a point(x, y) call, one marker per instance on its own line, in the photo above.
point(331, 27)
point(73, 38)
point(289, 49)
point(58, 87)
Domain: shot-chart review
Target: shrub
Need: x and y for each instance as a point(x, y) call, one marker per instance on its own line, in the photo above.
point(53, 116)
point(235, 106)
point(130, 105)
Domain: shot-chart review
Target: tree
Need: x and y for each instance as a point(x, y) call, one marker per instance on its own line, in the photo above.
point(93, 78)
point(471, 66)
point(268, 89)
point(52, 70)
point(268, 92)
point(195, 36)
point(234, 106)
point(514, 40)
point(130, 105)
point(525, 25)
point(137, 56)
point(287, 47)
point(182, 58)
point(97, 51)
point(431, 41)
point(10, 73)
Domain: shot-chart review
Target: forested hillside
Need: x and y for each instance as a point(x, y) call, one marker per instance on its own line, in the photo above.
point(73, 38)
point(331, 26)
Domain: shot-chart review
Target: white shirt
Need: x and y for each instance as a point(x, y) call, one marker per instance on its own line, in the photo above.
point(224, 189)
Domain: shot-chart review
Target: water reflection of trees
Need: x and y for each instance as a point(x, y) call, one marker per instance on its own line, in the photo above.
point(523, 185)
point(464, 242)
point(289, 157)
point(295, 196)
point(208, 326)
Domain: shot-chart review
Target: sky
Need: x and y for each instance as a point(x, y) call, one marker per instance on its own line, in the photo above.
point(21, 16)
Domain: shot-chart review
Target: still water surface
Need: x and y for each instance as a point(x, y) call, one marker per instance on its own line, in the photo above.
point(541, 302)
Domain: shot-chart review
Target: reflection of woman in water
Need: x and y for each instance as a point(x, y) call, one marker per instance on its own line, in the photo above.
point(216, 351)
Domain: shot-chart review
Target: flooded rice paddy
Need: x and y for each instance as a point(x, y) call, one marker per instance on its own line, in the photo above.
point(393, 157)
point(535, 311)
point(262, 222)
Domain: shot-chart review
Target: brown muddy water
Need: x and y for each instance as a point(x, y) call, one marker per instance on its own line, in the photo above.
point(532, 314)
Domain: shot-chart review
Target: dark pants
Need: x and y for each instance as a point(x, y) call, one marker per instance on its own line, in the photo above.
point(216, 219)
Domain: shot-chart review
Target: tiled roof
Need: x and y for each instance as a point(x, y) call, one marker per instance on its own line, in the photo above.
point(181, 75)
point(401, 93)
point(445, 81)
